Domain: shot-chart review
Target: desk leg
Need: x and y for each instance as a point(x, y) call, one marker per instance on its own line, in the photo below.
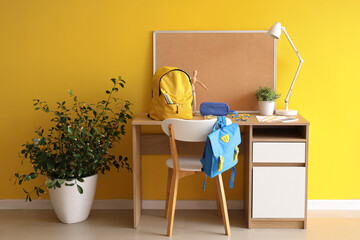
point(137, 198)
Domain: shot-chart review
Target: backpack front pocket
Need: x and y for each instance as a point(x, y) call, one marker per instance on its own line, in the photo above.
point(175, 110)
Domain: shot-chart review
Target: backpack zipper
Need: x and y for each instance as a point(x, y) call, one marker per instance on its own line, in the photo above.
point(177, 106)
point(172, 71)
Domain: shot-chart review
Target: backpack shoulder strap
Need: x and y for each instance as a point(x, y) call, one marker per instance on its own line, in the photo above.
point(204, 182)
point(232, 177)
point(221, 122)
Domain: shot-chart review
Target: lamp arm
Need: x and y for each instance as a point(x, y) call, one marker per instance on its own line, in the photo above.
point(298, 69)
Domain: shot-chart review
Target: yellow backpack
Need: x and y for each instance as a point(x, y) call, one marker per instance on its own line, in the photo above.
point(171, 94)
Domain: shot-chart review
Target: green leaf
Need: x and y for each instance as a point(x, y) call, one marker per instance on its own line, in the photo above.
point(49, 183)
point(113, 80)
point(80, 190)
point(71, 130)
point(69, 184)
point(70, 92)
point(33, 175)
point(80, 179)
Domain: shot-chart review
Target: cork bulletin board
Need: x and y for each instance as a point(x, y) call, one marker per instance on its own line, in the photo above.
point(232, 64)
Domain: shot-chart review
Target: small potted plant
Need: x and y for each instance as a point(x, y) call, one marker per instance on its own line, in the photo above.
point(266, 99)
point(74, 150)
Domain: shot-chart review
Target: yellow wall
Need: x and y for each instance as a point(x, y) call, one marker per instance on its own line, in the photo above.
point(47, 47)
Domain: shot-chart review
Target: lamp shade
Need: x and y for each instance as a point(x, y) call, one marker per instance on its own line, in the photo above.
point(275, 30)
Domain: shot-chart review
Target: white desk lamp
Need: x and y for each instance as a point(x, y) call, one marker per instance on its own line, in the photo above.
point(275, 32)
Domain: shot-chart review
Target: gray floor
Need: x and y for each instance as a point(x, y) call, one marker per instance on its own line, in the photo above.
point(189, 224)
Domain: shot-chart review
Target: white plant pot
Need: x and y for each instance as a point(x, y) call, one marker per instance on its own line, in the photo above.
point(70, 206)
point(266, 107)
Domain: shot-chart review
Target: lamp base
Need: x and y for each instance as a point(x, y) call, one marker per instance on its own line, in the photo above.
point(286, 112)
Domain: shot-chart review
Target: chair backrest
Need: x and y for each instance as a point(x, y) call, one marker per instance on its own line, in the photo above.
point(190, 130)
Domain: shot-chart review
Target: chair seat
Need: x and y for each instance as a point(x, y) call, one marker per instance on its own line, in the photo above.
point(188, 163)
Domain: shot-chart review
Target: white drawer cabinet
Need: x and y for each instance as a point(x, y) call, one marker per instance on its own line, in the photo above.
point(278, 152)
point(276, 175)
point(278, 192)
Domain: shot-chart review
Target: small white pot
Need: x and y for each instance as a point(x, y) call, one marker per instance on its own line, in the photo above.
point(70, 206)
point(266, 107)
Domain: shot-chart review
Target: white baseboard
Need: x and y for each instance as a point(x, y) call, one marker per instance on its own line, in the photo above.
point(180, 204)
point(21, 204)
point(333, 204)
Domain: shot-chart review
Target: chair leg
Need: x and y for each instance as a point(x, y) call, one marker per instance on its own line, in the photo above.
point(218, 205)
point(222, 198)
point(172, 202)
point(170, 173)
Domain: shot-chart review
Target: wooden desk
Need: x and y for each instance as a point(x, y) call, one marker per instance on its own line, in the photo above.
point(275, 171)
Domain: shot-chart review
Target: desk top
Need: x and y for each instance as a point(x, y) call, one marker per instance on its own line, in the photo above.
point(142, 119)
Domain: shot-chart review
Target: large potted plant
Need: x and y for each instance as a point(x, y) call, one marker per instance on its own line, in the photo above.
point(266, 100)
point(74, 150)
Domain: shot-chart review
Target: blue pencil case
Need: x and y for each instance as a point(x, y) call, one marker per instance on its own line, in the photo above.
point(214, 108)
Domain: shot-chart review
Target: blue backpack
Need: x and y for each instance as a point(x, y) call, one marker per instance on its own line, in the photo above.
point(221, 150)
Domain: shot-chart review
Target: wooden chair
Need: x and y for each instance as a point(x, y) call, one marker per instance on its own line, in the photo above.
point(179, 167)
